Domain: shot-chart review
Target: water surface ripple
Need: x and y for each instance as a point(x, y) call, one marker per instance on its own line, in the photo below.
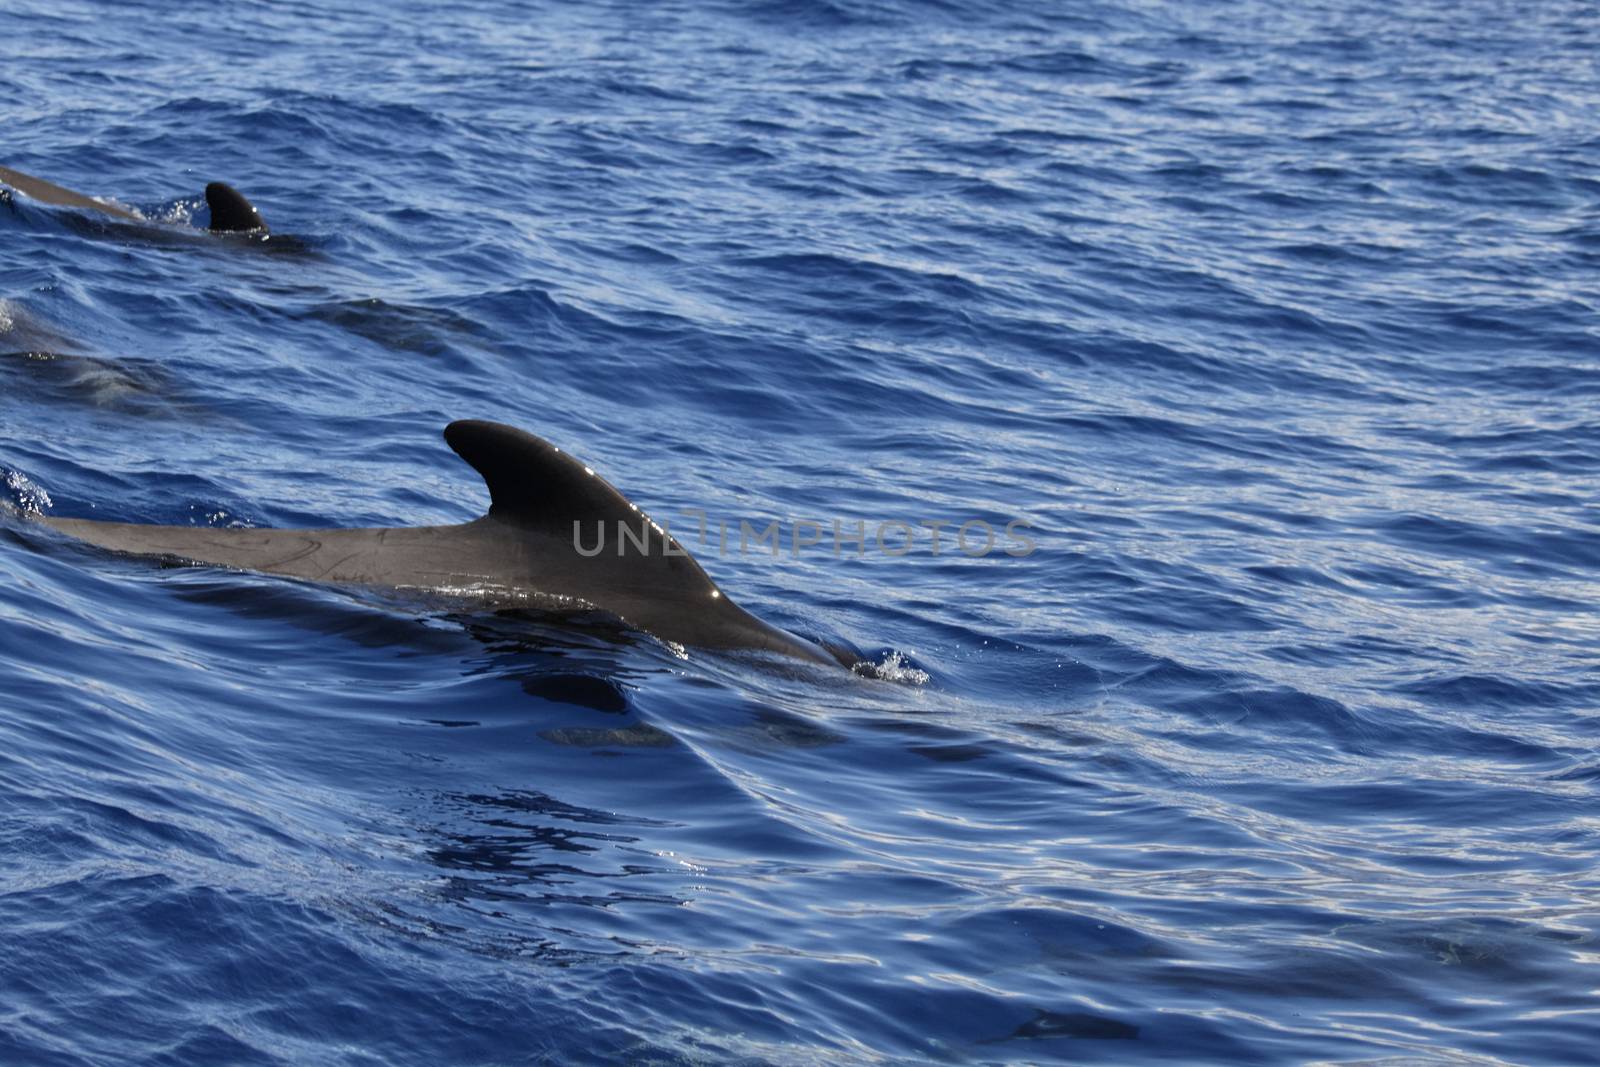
point(1276, 322)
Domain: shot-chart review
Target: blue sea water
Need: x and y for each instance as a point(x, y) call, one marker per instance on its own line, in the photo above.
point(1276, 324)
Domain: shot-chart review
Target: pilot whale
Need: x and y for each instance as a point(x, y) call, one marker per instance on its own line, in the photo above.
point(528, 544)
point(230, 211)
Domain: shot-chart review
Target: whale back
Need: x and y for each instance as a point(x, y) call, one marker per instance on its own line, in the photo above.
point(542, 537)
point(51, 193)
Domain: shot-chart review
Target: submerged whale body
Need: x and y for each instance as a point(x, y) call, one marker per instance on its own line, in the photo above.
point(230, 211)
point(527, 544)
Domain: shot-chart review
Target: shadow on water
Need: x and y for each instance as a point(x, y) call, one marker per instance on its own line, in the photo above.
point(523, 845)
point(404, 328)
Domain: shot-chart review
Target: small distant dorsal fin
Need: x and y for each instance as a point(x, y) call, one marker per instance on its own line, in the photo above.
point(231, 212)
point(533, 483)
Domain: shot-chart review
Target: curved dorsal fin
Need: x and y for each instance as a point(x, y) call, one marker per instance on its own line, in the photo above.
point(533, 483)
point(230, 211)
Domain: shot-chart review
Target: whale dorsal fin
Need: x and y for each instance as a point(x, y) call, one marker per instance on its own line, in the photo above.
point(231, 212)
point(533, 483)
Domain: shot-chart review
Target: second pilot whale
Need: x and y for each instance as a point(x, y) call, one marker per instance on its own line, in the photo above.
point(231, 212)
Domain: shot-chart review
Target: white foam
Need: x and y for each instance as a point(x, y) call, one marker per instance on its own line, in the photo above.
point(894, 668)
point(28, 497)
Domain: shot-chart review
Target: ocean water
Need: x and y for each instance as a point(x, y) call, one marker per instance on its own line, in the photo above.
point(1274, 324)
